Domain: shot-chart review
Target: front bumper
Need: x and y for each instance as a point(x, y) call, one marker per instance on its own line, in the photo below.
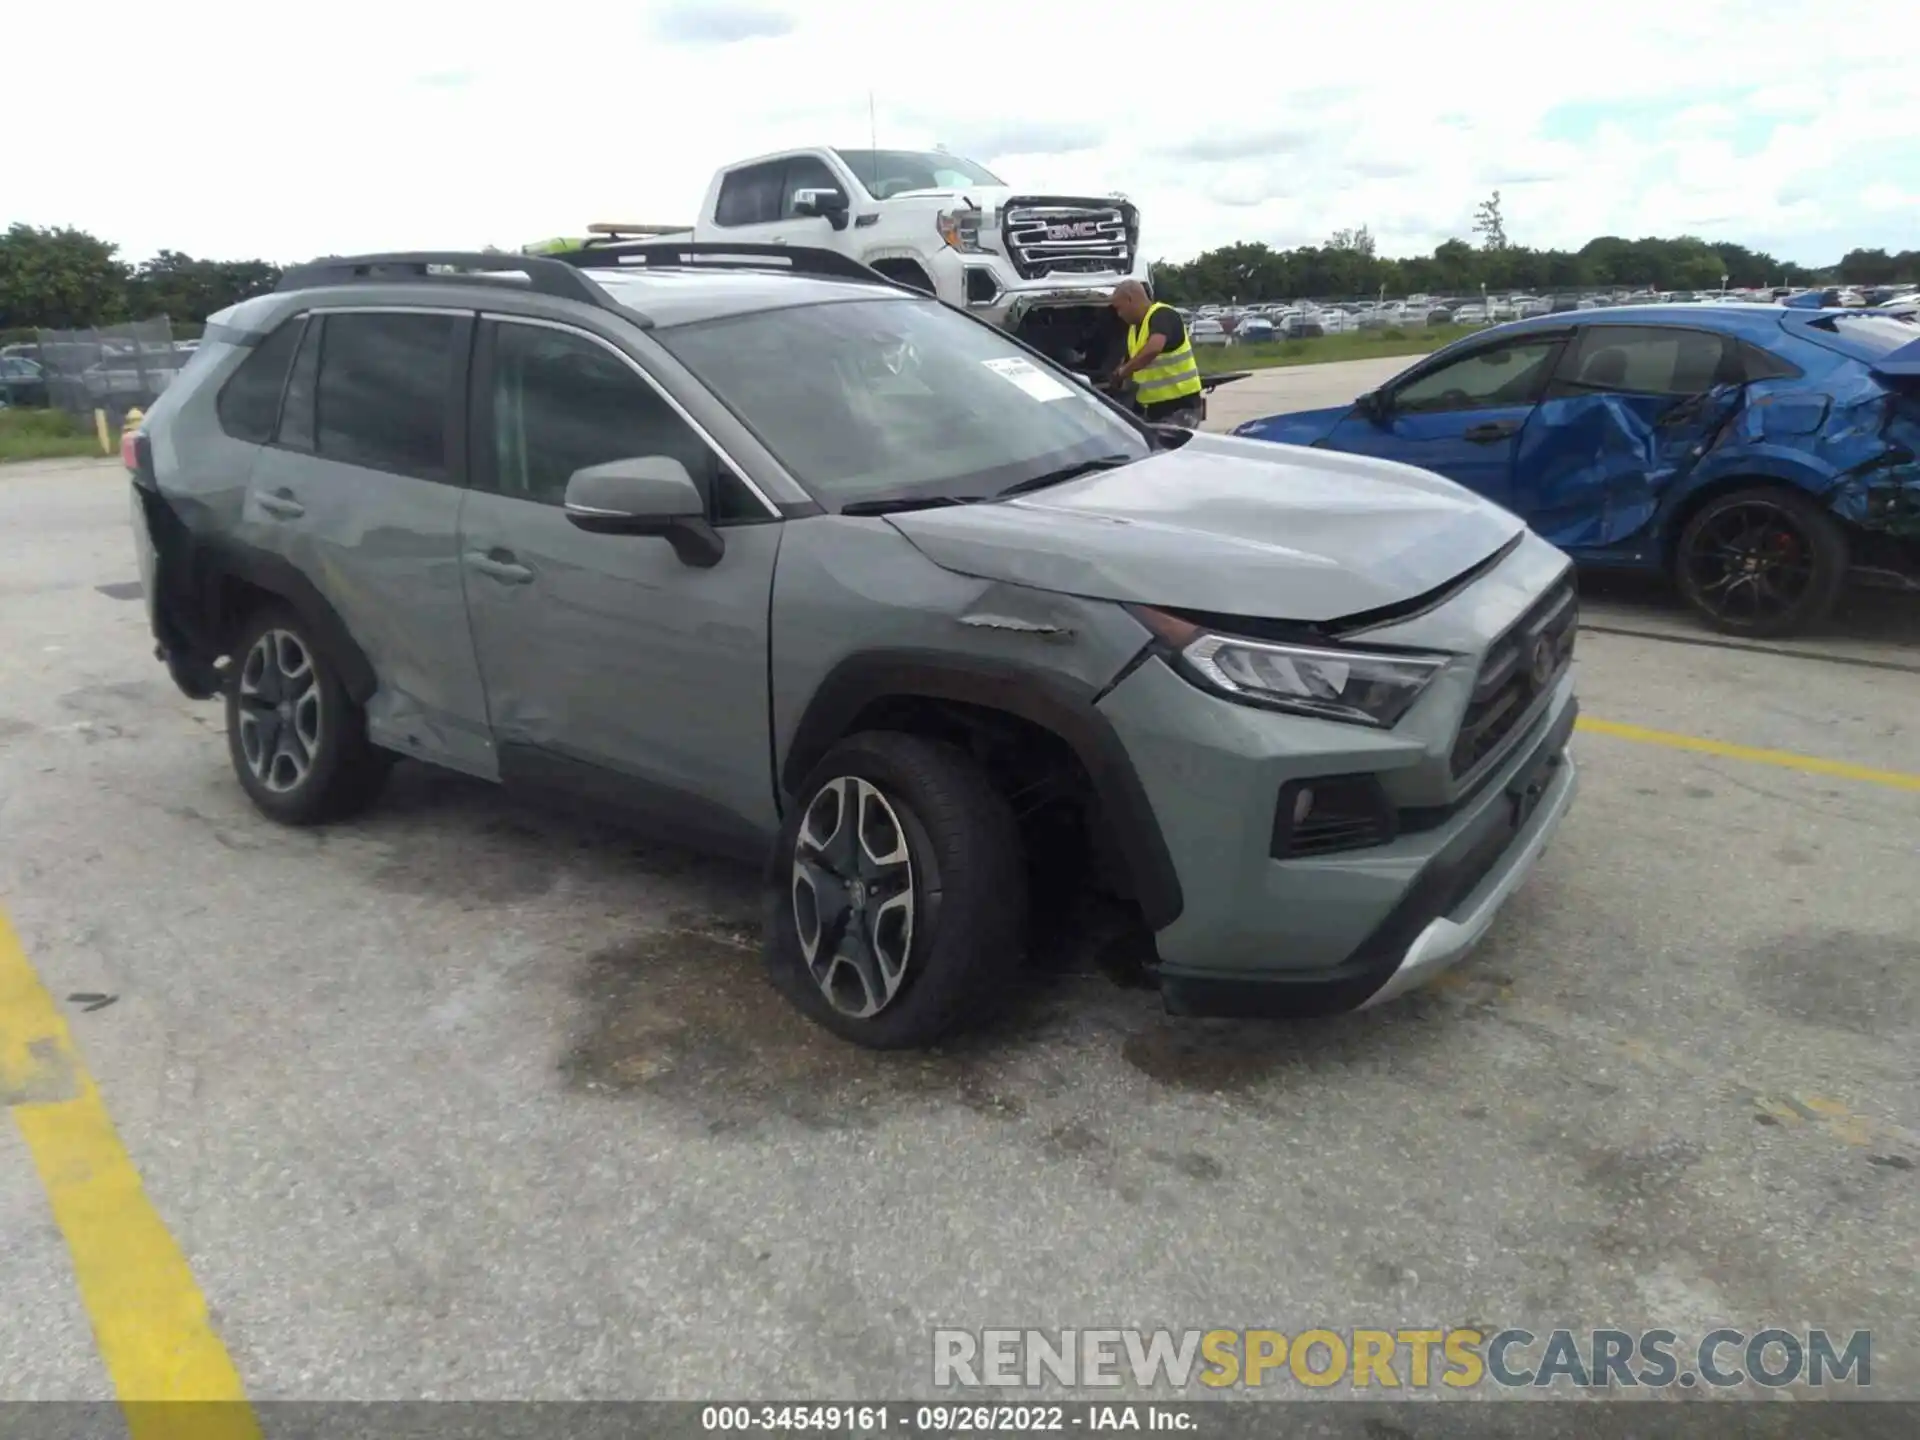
point(988, 286)
point(1322, 936)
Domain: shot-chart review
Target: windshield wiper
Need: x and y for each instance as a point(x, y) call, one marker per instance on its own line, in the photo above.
point(1065, 473)
point(894, 504)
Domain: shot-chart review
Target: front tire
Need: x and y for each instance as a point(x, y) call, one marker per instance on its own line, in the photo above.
point(298, 742)
point(898, 897)
point(1762, 562)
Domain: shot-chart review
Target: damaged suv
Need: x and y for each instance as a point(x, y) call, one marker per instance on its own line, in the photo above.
point(794, 562)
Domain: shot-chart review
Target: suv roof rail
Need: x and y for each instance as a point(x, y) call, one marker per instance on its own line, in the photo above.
point(545, 275)
point(797, 259)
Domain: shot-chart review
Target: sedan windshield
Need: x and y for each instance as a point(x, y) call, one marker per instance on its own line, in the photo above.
point(871, 399)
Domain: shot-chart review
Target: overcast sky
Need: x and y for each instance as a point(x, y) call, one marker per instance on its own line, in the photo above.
point(279, 131)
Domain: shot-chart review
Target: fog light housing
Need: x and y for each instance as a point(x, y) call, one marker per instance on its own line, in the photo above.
point(1332, 813)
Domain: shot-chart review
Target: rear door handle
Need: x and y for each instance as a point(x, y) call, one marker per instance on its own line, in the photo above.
point(1491, 431)
point(281, 503)
point(499, 565)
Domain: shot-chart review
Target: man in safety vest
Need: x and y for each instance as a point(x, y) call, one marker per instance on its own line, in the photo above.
point(1160, 358)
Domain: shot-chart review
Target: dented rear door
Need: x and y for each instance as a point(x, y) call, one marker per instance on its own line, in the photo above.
point(1631, 412)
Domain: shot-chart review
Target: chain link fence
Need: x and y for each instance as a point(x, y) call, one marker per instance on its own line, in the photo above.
point(115, 368)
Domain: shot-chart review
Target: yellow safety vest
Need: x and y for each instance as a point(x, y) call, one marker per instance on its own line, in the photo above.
point(1174, 373)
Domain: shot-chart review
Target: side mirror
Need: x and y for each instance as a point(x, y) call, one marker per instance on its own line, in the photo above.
point(645, 495)
point(1375, 406)
point(829, 205)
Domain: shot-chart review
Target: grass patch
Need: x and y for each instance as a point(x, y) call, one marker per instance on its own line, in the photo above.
point(1324, 349)
point(44, 435)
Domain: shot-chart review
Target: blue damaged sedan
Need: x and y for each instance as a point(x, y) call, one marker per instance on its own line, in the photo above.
point(1759, 454)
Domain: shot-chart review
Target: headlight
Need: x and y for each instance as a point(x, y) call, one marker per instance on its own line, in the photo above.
point(961, 230)
point(1361, 687)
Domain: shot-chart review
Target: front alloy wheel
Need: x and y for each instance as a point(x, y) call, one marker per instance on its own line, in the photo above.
point(853, 896)
point(896, 909)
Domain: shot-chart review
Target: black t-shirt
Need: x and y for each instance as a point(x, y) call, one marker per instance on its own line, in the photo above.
point(1167, 322)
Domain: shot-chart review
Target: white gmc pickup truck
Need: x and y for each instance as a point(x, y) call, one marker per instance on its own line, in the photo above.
point(1041, 266)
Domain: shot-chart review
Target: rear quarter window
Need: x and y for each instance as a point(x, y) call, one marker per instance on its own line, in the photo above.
point(1755, 364)
point(248, 405)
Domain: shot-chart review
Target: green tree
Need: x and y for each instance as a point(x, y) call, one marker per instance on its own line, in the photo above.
point(186, 290)
point(59, 279)
point(1490, 224)
point(1359, 241)
point(1876, 267)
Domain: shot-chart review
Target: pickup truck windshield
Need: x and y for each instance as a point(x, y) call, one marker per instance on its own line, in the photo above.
point(886, 173)
point(870, 399)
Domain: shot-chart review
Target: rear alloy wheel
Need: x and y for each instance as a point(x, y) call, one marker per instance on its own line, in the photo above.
point(1762, 562)
point(898, 900)
point(280, 712)
point(298, 742)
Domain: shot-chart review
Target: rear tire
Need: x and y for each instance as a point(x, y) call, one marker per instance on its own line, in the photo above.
point(898, 895)
point(298, 741)
point(1761, 562)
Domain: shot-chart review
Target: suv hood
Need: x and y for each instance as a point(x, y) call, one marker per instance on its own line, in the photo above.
point(1235, 527)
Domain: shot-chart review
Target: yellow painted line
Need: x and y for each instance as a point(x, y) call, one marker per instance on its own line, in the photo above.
point(149, 1318)
point(1753, 754)
point(1787, 1108)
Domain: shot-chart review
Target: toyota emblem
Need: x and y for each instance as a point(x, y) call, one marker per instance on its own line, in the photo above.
point(1541, 662)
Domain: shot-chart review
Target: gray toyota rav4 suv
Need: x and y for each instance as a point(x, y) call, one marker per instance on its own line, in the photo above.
point(760, 547)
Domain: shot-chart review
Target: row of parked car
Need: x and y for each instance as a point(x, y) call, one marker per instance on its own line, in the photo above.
point(1252, 324)
point(134, 374)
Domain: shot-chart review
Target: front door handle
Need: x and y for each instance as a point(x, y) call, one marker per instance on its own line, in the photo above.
point(499, 565)
point(280, 503)
point(1491, 431)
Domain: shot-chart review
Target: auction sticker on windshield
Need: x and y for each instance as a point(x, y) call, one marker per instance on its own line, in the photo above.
point(1037, 383)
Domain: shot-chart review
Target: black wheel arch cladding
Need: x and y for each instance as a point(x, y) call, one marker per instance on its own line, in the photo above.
point(194, 571)
point(1059, 704)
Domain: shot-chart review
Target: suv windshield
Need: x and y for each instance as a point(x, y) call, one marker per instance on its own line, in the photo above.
point(867, 399)
point(891, 172)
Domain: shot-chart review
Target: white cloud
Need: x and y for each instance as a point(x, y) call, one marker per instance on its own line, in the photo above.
point(287, 132)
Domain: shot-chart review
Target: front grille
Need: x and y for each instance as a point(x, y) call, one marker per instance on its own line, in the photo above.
point(1343, 812)
point(1524, 663)
point(1058, 239)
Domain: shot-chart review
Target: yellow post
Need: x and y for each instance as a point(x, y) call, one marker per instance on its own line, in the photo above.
point(100, 429)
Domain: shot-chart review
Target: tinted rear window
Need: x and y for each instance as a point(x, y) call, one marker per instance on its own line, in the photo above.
point(249, 402)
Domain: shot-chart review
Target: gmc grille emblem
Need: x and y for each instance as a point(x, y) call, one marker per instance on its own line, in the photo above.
point(1079, 230)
